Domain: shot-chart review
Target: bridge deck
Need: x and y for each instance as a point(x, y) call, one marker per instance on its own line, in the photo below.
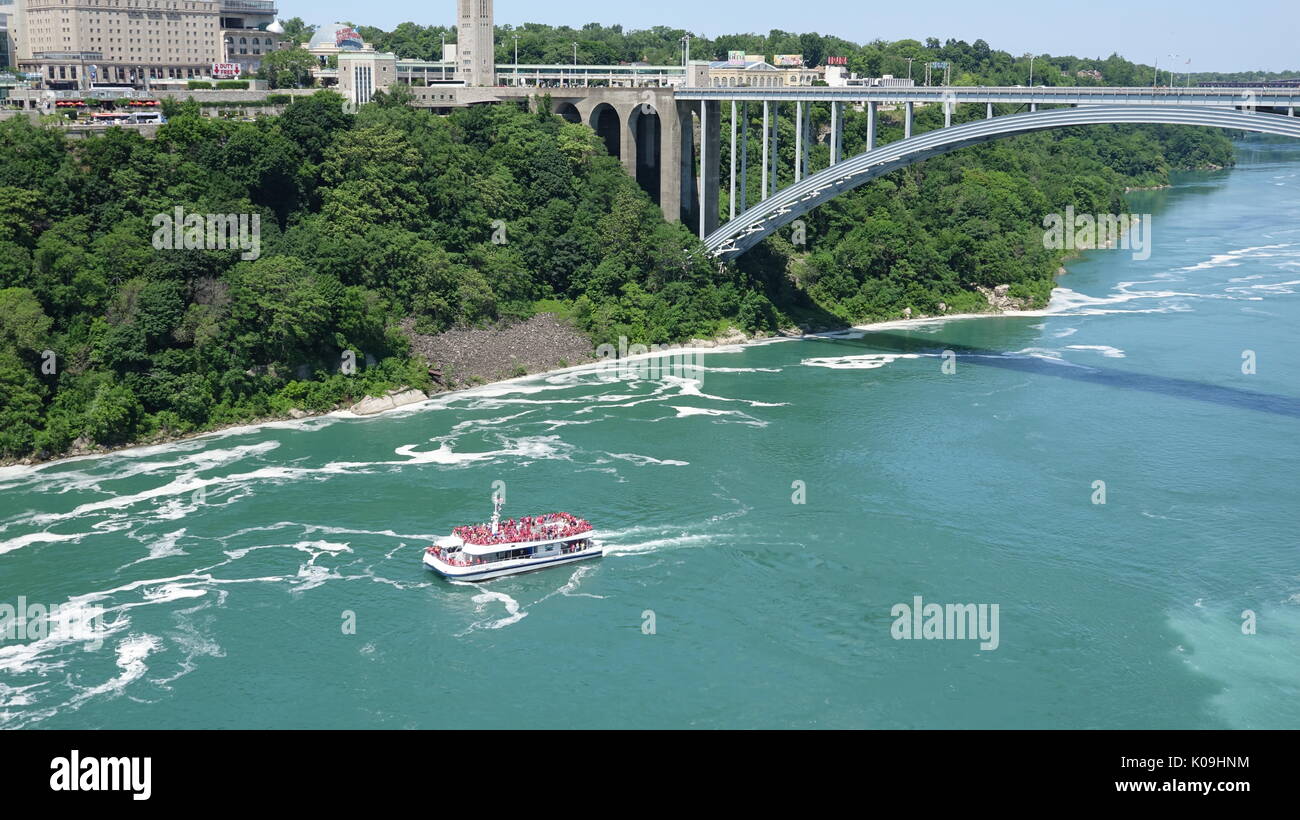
point(1213, 97)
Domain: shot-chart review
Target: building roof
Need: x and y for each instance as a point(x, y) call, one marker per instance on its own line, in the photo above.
point(336, 35)
point(750, 66)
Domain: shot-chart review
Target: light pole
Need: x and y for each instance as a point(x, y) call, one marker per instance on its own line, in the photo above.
point(442, 56)
point(516, 60)
point(1031, 57)
point(909, 66)
point(1172, 83)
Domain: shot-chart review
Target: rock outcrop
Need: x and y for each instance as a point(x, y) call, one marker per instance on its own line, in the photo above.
point(389, 401)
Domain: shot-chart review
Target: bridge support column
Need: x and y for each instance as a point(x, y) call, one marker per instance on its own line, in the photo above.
point(907, 120)
point(798, 141)
point(835, 132)
point(776, 147)
point(713, 142)
point(677, 175)
point(744, 157)
point(1033, 106)
point(767, 114)
point(627, 140)
point(710, 165)
point(871, 126)
point(732, 198)
point(704, 166)
point(989, 115)
point(947, 114)
point(1290, 111)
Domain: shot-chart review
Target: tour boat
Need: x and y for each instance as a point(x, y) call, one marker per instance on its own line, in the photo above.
point(484, 551)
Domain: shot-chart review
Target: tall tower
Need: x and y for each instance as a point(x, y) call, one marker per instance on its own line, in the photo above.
point(476, 43)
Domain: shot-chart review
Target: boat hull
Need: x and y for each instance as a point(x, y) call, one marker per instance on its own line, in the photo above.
point(486, 572)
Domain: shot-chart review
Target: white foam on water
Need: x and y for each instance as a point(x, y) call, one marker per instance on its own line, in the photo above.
point(38, 538)
point(513, 613)
point(1233, 258)
point(569, 589)
point(645, 460)
point(311, 576)
point(1105, 350)
point(616, 546)
point(1067, 332)
point(866, 361)
point(745, 418)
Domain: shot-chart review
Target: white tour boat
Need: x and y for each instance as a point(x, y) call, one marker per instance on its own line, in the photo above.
point(485, 551)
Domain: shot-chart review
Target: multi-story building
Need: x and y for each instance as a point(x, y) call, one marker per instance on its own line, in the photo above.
point(6, 45)
point(476, 42)
point(244, 36)
point(79, 43)
point(10, 31)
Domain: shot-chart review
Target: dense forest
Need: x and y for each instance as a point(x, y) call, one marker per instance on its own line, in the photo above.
point(394, 216)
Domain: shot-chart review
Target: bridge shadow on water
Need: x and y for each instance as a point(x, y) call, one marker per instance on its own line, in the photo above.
point(885, 342)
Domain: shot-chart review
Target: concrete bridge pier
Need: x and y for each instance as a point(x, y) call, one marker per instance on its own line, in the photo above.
point(907, 120)
point(989, 114)
point(767, 124)
point(712, 140)
point(835, 133)
point(699, 183)
point(744, 156)
point(804, 156)
point(681, 170)
point(776, 149)
point(871, 126)
point(947, 114)
point(798, 141)
point(731, 198)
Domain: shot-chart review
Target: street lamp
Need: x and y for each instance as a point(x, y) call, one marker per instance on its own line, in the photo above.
point(442, 56)
point(1032, 57)
point(516, 60)
point(1173, 57)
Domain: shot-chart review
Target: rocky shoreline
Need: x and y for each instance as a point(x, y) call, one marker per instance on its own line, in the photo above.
point(460, 358)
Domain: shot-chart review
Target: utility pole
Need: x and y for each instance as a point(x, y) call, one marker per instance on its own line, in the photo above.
point(442, 56)
point(909, 66)
point(516, 60)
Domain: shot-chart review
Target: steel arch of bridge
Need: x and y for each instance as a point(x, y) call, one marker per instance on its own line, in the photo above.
point(748, 229)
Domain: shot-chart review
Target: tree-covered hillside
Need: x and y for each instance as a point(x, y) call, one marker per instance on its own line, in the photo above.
point(365, 220)
point(394, 216)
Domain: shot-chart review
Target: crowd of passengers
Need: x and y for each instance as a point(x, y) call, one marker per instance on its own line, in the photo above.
point(528, 528)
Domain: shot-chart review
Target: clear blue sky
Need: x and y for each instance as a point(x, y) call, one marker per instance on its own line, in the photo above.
point(1219, 36)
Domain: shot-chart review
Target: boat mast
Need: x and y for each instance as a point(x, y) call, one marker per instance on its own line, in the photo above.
point(497, 501)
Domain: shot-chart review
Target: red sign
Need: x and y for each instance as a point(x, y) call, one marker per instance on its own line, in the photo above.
point(226, 71)
point(837, 61)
